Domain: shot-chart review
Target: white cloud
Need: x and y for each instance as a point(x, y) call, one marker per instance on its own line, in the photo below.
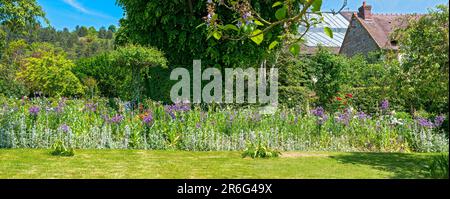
point(82, 9)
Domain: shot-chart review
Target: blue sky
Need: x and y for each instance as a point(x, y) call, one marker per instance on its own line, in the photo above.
point(97, 13)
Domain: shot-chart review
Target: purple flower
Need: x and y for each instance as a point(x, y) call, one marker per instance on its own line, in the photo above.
point(256, 117)
point(34, 110)
point(296, 119)
point(439, 120)
point(61, 105)
point(177, 107)
point(319, 112)
point(148, 119)
point(64, 128)
point(106, 118)
point(246, 15)
point(117, 119)
point(322, 120)
point(385, 105)
point(239, 24)
point(344, 118)
point(363, 116)
point(198, 125)
point(424, 122)
point(91, 107)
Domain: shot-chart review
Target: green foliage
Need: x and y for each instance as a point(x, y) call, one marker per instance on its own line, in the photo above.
point(422, 77)
point(18, 14)
point(111, 81)
point(128, 72)
point(211, 128)
point(294, 96)
point(367, 99)
point(174, 31)
point(47, 70)
point(328, 69)
point(438, 168)
point(259, 151)
point(59, 149)
point(9, 65)
point(74, 45)
point(261, 22)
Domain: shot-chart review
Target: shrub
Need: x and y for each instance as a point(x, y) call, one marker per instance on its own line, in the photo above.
point(423, 75)
point(328, 70)
point(367, 99)
point(294, 96)
point(260, 151)
point(127, 72)
point(47, 70)
point(439, 167)
point(59, 149)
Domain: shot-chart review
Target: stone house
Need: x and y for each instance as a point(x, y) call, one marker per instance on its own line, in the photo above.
point(370, 32)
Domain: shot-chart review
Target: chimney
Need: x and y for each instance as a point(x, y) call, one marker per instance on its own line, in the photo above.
point(365, 11)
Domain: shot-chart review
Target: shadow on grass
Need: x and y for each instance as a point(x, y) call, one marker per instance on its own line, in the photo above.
point(400, 164)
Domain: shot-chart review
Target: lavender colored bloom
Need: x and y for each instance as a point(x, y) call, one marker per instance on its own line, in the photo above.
point(344, 118)
point(198, 126)
point(439, 120)
point(64, 128)
point(246, 15)
point(61, 105)
point(296, 119)
point(256, 117)
point(177, 107)
point(322, 120)
point(117, 119)
point(34, 110)
point(239, 24)
point(106, 118)
point(319, 112)
point(384, 105)
point(424, 122)
point(148, 119)
point(363, 116)
point(91, 107)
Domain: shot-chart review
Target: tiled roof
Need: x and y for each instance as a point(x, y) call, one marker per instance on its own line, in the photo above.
point(380, 27)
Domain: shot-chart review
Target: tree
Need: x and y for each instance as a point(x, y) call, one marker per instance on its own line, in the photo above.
point(423, 74)
point(175, 27)
point(13, 55)
point(47, 70)
point(112, 28)
point(172, 27)
point(139, 59)
point(252, 24)
point(82, 31)
point(126, 72)
point(102, 33)
point(16, 15)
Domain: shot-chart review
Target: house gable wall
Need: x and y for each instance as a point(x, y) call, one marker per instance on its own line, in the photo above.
point(358, 40)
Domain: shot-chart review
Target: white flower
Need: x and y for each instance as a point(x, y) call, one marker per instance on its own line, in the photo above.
point(314, 79)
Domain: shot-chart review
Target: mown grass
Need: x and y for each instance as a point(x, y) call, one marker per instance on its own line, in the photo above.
point(28, 163)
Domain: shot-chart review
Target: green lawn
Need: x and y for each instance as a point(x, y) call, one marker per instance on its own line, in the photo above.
point(25, 163)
